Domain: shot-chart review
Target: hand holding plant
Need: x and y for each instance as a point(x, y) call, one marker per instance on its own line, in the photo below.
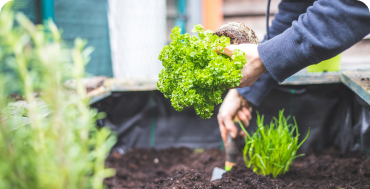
point(254, 69)
point(194, 75)
point(234, 104)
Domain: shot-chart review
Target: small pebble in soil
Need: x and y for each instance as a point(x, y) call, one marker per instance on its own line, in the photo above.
point(156, 160)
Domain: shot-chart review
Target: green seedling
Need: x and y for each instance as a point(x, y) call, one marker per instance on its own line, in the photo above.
point(272, 148)
point(194, 75)
point(198, 150)
point(50, 141)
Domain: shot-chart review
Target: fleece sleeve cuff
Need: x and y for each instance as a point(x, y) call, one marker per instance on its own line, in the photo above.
point(259, 90)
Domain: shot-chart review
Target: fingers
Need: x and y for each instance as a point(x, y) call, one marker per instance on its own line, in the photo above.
point(227, 50)
point(247, 112)
point(242, 133)
point(244, 119)
point(245, 116)
point(226, 125)
point(231, 128)
point(232, 106)
point(223, 132)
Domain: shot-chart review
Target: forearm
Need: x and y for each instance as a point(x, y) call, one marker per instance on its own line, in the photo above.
point(328, 28)
point(289, 11)
point(259, 90)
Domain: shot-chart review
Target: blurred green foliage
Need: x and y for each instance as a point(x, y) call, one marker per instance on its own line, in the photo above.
point(48, 141)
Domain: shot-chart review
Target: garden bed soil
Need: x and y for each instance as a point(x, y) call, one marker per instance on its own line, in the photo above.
point(186, 168)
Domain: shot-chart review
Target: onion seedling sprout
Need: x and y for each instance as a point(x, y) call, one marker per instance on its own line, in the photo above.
point(271, 149)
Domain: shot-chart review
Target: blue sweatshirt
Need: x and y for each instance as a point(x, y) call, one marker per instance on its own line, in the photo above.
point(307, 32)
point(326, 29)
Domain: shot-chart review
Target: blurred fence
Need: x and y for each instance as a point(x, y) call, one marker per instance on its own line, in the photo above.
point(29, 8)
point(127, 35)
point(87, 19)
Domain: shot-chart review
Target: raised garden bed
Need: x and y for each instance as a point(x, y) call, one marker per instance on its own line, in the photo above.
point(186, 168)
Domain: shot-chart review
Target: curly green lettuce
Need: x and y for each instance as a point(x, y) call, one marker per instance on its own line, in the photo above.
point(194, 75)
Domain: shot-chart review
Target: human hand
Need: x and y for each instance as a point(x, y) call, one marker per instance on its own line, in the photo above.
point(233, 105)
point(253, 69)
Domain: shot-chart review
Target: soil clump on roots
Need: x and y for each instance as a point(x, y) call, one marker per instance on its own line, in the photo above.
point(186, 168)
point(238, 33)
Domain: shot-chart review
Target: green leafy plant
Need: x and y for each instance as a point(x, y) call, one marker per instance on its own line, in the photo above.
point(50, 140)
point(272, 148)
point(194, 75)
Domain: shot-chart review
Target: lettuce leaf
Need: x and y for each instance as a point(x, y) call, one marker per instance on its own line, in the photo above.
point(194, 75)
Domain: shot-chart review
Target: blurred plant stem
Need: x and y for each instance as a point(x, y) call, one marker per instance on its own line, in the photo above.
point(59, 149)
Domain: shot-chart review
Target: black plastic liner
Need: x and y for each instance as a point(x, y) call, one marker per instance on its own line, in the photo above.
point(363, 126)
point(329, 110)
point(334, 114)
point(147, 119)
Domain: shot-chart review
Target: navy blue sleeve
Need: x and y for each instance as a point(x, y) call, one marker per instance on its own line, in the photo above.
point(327, 28)
point(289, 11)
point(259, 90)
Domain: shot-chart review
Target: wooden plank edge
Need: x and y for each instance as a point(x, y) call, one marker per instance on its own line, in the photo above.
point(355, 87)
point(127, 85)
point(114, 85)
point(312, 78)
point(99, 93)
point(99, 97)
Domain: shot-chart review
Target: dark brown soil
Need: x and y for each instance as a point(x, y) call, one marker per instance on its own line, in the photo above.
point(185, 168)
point(138, 166)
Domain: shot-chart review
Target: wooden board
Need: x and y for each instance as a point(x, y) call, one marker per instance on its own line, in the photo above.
point(99, 94)
point(300, 78)
point(120, 85)
point(304, 78)
point(358, 82)
point(127, 85)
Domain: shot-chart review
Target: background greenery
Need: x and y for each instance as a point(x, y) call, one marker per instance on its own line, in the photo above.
point(49, 139)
